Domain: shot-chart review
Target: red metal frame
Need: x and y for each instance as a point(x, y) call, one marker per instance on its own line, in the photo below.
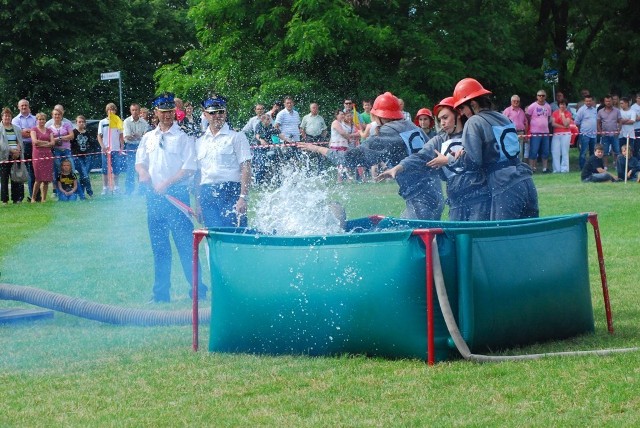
point(427, 236)
point(197, 237)
point(593, 219)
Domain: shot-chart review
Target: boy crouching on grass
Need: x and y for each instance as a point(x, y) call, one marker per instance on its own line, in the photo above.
point(593, 170)
point(632, 165)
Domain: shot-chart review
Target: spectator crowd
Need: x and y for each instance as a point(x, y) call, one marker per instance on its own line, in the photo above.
point(546, 131)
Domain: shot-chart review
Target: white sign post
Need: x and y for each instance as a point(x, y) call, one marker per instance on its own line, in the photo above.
point(114, 75)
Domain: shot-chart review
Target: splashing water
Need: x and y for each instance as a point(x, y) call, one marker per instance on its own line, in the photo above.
point(301, 205)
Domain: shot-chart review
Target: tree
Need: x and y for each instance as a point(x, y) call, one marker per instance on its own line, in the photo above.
point(54, 52)
point(325, 50)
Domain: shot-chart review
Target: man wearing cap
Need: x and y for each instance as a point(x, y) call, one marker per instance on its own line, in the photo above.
point(224, 169)
point(165, 160)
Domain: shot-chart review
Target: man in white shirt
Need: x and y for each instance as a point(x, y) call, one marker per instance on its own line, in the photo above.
point(165, 160)
point(224, 169)
point(250, 128)
point(313, 127)
point(134, 128)
point(26, 121)
point(288, 122)
point(636, 108)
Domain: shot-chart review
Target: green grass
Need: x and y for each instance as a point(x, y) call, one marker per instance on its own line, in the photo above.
point(74, 372)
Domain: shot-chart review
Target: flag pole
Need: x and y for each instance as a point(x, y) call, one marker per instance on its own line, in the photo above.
point(109, 169)
point(626, 163)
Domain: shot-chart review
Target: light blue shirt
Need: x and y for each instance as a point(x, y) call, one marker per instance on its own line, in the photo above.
point(25, 122)
point(587, 120)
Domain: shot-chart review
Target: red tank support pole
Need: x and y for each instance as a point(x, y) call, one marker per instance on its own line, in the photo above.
point(197, 237)
point(593, 219)
point(427, 236)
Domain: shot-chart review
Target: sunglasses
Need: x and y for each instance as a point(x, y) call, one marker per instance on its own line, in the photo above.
point(542, 95)
point(219, 111)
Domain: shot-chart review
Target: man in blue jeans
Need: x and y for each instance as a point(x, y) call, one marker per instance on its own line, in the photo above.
point(224, 169)
point(26, 121)
point(587, 121)
point(134, 128)
point(164, 161)
point(609, 119)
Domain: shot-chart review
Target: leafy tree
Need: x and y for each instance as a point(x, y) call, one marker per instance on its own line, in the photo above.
point(325, 50)
point(54, 52)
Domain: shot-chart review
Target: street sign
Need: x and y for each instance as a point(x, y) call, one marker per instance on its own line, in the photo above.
point(110, 76)
point(551, 76)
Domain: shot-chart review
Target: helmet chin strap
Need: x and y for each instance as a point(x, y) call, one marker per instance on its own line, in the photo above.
point(471, 108)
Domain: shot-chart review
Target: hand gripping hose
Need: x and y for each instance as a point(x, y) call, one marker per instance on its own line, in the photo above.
point(97, 311)
point(462, 345)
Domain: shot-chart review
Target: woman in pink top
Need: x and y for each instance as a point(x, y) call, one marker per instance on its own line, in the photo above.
point(43, 140)
point(561, 119)
point(62, 134)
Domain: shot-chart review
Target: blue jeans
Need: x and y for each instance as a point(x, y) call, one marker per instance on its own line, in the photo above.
point(165, 220)
point(59, 156)
point(610, 141)
point(217, 202)
point(28, 153)
point(598, 177)
point(117, 163)
point(130, 180)
point(83, 166)
point(258, 163)
point(587, 143)
point(539, 144)
point(64, 198)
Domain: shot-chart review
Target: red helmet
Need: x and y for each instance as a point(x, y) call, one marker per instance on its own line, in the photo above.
point(446, 102)
point(468, 89)
point(423, 112)
point(387, 106)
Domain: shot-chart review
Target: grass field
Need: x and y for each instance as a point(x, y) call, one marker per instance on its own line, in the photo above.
point(74, 372)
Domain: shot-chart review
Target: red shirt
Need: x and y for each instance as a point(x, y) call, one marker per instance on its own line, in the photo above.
point(558, 119)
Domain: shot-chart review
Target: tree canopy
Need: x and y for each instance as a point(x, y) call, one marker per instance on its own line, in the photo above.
point(315, 50)
point(54, 51)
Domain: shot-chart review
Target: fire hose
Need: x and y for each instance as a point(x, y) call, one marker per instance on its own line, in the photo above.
point(96, 311)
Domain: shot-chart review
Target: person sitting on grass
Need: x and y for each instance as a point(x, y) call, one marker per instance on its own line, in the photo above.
point(593, 170)
point(66, 182)
point(632, 165)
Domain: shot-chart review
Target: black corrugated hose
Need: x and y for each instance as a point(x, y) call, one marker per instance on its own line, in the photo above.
point(97, 311)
